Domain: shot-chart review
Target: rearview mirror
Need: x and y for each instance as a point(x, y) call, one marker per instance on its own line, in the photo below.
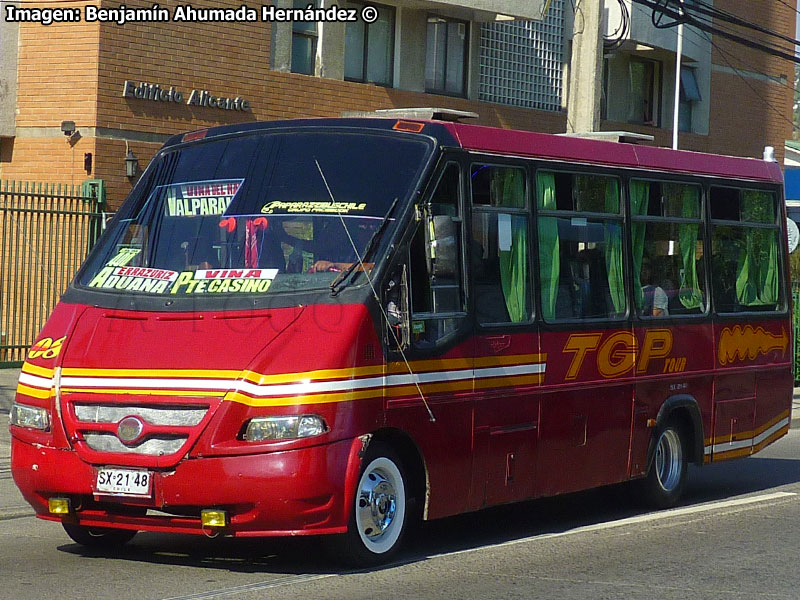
point(442, 248)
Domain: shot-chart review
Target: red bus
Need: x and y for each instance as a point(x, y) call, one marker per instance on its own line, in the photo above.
point(338, 326)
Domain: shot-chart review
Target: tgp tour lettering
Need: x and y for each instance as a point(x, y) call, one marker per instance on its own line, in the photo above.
point(619, 353)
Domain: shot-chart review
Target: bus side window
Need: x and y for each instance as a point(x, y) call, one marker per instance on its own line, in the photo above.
point(667, 242)
point(499, 252)
point(580, 246)
point(745, 250)
point(436, 282)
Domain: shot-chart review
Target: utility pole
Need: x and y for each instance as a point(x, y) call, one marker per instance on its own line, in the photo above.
point(586, 68)
point(677, 98)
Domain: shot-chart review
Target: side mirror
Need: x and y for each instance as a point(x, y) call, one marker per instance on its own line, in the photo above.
point(442, 249)
point(396, 305)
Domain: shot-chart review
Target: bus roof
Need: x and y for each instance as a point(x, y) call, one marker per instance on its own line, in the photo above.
point(600, 152)
point(510, 142)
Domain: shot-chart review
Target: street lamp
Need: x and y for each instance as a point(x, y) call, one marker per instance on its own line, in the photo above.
point(131, 164)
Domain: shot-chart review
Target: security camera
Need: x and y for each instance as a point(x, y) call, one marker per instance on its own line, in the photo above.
point(68, 128)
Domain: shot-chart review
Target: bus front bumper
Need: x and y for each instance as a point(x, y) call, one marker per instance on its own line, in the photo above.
point(293, 492)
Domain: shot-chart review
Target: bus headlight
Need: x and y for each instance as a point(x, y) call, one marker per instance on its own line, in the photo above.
point(32, 417)
point(284, 428)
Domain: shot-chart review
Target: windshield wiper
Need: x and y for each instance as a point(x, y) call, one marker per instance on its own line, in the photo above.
point(367, 250)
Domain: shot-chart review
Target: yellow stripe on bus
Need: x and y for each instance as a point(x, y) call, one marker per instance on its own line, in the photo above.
point(509, 381)
point(152, 373)
point(33, 392)
point(731, 454)
point(390, 392)
point(145, 392)
point(241, 398)
point(448, 364)
point(762, 428)
point(322, 374)
point(423, 366)
point(34, 370)
point(348, 396)
point(747, 435)
point(769, 439)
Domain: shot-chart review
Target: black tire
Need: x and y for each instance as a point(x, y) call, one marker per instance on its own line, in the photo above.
point(666, 475)
point(379, 513)
point(98, 537)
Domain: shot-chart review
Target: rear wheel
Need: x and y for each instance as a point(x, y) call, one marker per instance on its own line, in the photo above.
point(380, 512)
point(98, 537)
point(666, 476)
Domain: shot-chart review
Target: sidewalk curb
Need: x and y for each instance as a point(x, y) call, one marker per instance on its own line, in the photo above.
point(16, 512)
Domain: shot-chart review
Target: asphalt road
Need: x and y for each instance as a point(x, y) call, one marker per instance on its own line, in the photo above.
point(735, 536)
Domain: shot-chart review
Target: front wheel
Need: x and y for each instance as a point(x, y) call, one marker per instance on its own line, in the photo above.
point(98, 537)
point(379, 514)
point(666, 477)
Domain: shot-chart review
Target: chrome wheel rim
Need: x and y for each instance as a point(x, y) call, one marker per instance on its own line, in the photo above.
point(669, 460)
point(380, 505)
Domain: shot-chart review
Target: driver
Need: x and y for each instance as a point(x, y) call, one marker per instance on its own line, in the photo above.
point(333, 244)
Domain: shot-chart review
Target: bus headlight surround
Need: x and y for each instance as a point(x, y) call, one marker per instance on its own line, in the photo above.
point(30, 417)
point(262, 429)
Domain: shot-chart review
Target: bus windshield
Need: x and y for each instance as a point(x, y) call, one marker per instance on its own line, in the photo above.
point(264, 213)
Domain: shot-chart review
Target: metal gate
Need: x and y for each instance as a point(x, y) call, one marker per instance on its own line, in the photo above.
point(46, 230)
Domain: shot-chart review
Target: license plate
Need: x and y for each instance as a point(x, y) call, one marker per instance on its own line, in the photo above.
point(124, 482)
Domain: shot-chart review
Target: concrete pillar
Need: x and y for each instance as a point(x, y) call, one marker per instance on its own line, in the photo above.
point(281, 41)
point(473, 66)
point(586, 68)
point(330, 47)
point(410, 48)
point(9, 42)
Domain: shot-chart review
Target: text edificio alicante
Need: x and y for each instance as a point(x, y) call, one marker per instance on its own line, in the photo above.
point(158, 93)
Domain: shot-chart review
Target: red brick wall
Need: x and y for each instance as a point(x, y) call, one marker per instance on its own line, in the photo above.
point(748, 113)
point(57, 72)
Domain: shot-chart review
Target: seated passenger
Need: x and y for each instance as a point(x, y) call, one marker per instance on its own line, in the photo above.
point(655, 301)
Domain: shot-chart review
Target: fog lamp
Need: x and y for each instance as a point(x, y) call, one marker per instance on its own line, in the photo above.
point(210, 517)
point(32, 417)
point(59, 506)
point(284, 428)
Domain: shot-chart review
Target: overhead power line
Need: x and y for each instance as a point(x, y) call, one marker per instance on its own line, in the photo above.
point(681, 13)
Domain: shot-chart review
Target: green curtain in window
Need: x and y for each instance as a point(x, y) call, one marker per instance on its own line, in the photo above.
point(549, 259)
point(613, 240)
point(514, 262)
point(769, 281)
point(690, 295)
point(640, 199)
point(757, 268)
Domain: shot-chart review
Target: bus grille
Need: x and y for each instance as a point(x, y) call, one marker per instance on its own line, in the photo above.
point(165, 430)
point(153, 446)
point(101, 413)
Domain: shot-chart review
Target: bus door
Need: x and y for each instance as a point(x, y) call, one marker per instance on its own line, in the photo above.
point(508, 365)
point(587, 337)
point(425, 301)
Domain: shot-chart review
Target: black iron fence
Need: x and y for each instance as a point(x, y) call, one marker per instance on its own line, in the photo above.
point(46, 230)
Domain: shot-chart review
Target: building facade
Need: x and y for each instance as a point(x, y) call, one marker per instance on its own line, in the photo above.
point(732, 100)
point(127, 87)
